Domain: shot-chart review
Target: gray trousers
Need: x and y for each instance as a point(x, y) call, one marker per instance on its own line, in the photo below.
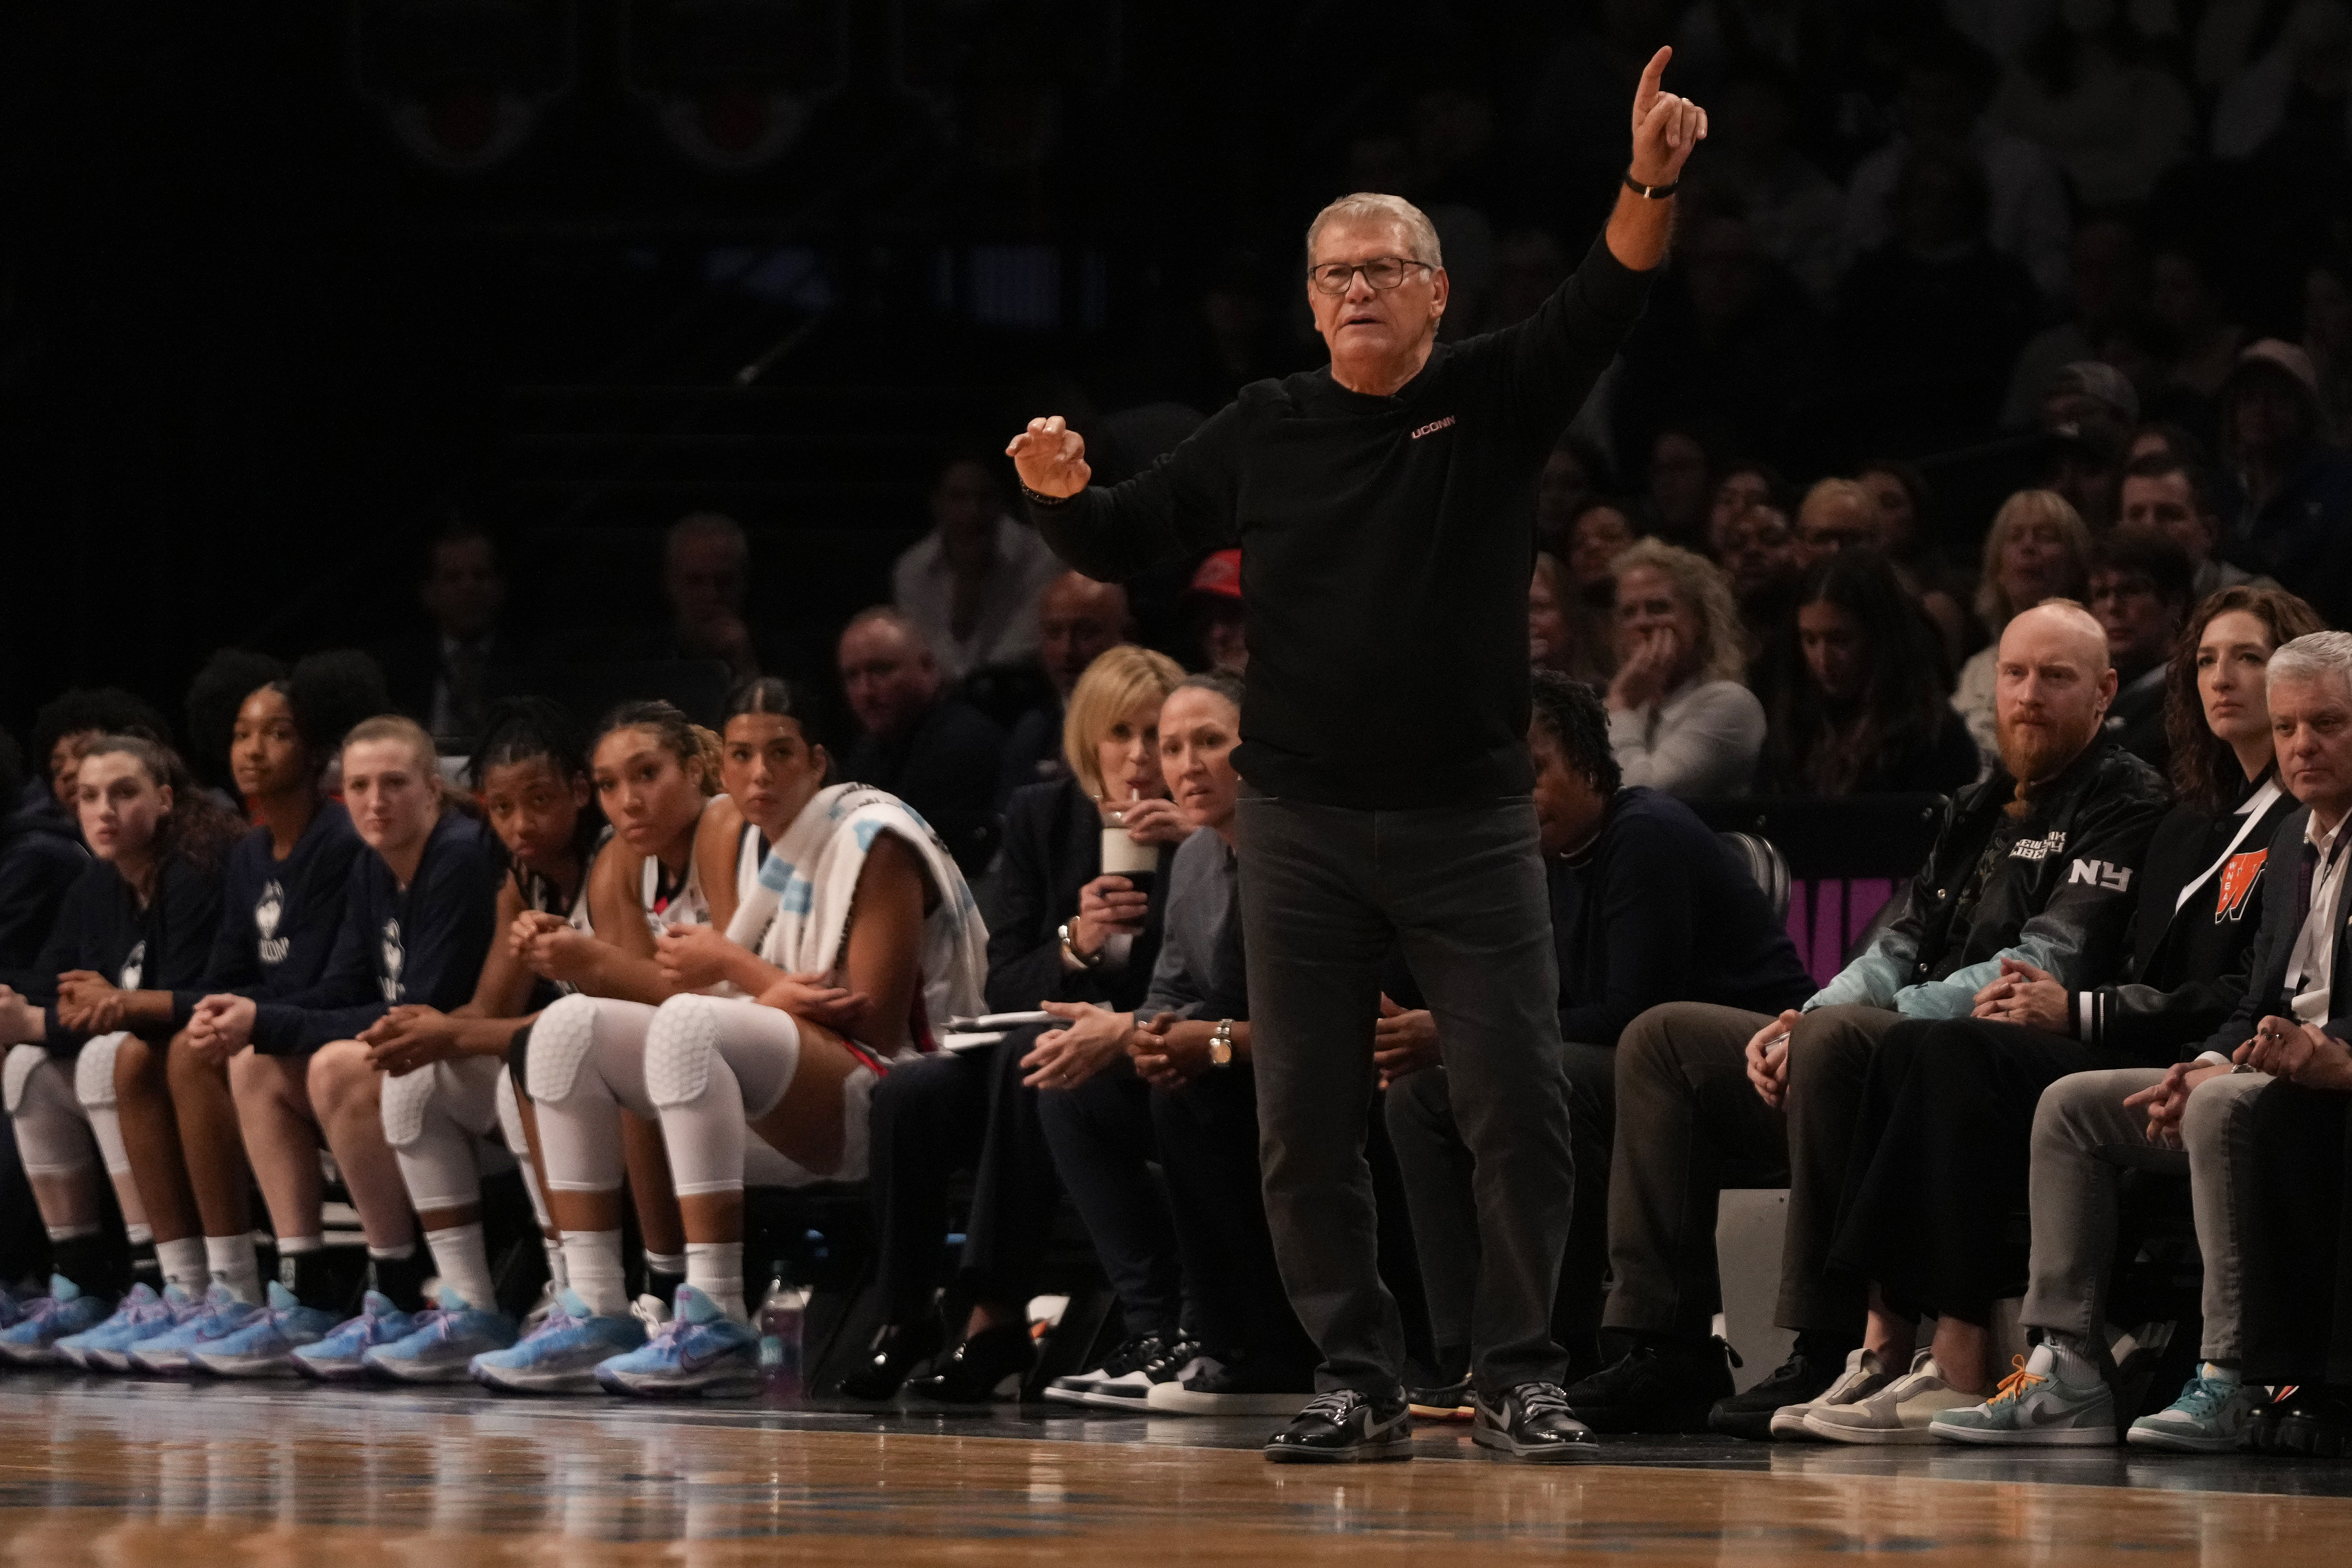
point(2084, 1135)
point(1439, 1180)
point(1326, 892)
point(1689, 1124)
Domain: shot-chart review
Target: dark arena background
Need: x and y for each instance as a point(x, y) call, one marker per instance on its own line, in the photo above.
point(605, 350)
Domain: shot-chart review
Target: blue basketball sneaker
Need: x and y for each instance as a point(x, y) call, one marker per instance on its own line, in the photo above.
point(221, 1314)
point(142, 1315)
point(265, 1347)
point(561, 1355)
point(32, 1340)
point(444, 1342)
point(342, 1353)
point(700, 1350)
point(12, 1310)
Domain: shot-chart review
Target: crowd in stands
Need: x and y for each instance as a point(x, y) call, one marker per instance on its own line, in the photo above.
point(404, 909)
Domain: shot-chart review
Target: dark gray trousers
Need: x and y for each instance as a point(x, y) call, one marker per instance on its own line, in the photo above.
point(1439, 1182)
point(1326, 892)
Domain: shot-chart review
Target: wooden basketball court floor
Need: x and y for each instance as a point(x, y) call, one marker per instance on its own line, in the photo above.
point(118, 1473)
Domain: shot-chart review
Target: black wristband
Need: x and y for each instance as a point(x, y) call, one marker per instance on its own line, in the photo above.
point(1039, 497)
point(1654, 192)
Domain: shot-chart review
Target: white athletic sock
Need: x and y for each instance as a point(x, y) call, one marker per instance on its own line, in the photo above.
point(593, 1260)
point(556, 1269)
point(292, 1245)
point(463, 1263)
point(2220, 1373)
point(230, 1260)
point(139, 1235)
point(183, 1263)
point(670, 1263)
point(716, 1268)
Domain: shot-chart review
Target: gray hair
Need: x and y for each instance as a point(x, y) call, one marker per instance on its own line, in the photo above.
point(2312, 655)
point(1421, 234)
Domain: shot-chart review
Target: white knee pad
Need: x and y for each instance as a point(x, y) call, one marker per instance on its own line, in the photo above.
point(405, 1100)
point(560, 1042)
point(22, 1061)
point(678, 1050)
point(94, 1070)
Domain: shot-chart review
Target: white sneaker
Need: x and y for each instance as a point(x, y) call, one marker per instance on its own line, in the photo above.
point(1864, 1375)
point(1898, 1413)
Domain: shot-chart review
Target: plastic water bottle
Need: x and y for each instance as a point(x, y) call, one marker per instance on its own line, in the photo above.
point(782, 1312)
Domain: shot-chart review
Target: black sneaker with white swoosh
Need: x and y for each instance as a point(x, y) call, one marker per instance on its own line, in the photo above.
point(1345, 1426)
point(1531, 1421)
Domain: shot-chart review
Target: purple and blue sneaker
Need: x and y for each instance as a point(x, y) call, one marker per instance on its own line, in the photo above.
point(32, 1339)
point(444, 1342)
point(341, 1355)
point(700, 1351)
point(265, 1347)
point(561, 1355)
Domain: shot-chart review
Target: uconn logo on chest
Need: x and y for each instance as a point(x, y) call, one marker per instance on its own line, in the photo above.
point(134, 968)
point(267, 911)
point(392, 956)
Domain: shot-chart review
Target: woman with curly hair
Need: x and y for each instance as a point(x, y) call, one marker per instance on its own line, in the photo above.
point(1679, 718)
point(282, 904)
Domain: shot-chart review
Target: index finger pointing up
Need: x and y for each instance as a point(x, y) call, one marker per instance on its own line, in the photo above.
point(1651, 75)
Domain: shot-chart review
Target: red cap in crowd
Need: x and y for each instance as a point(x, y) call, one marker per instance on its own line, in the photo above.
point(1221, 575)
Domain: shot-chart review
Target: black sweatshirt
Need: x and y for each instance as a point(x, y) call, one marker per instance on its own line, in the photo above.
point(424, 943)
point(1386, 547)
point(41, 857)
point(279, 917)
point(100, 926)
point(1658, 910)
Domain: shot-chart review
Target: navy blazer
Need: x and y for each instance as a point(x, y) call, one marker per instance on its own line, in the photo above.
point(2266, 994)
point(1052, 848)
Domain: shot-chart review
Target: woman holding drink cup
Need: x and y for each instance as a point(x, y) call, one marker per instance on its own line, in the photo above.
point(1063, 928)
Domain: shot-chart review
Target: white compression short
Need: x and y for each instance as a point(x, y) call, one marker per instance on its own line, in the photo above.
point(714, 1065)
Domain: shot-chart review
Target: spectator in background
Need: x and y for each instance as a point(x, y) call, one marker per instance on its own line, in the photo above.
point(2163, 494)
point(2108, 286)
point(1679, 720)
point(706, 587)
point(2139, 590)
point(1079, 620)
point(1948, 83)
point(1742, 485)
point(40, 857)
point(2088, 413)
point(1570, 477)
point(1935, 316)
point(2171, 439)
point(437, 675)
point(2115, 123)
point(935, 753)
point(2327, 339)
point(1647, 906)
point(1220, 621)
point(1906, 537)
point(971, 585)
point(1564, 632)
point(62, 731)
point(2296, 521)
point(1869, 713)
point(1836, 515)
point(2205, 339)
point(1680, 484)
point(1792, 209)
point(2289, 106)
point(2037, 549)
point(1597, 535)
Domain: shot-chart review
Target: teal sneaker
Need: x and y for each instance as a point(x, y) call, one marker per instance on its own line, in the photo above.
point(561, 1355)
point(142, 1316)
point(444, 1342)
point(2214, 1411)
point(341, 1355)
point(32, 1339)
point(12, 1310)
point(700, 1351)
point(221, 1314)
point(265, 1347)
point(2033, 1409)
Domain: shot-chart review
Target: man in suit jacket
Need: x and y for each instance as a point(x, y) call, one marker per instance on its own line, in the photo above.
point(437, 675)
point(2284, 1043)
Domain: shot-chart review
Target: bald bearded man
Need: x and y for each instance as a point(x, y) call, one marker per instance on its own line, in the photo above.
point(2034, 865)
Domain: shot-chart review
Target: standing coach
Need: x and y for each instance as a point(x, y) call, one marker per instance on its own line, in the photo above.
point(1381, 505)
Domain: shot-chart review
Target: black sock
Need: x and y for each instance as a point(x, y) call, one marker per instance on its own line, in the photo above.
point(90, 1262)
point(308, 1275)
point(403, 1278)
point(662, 1286)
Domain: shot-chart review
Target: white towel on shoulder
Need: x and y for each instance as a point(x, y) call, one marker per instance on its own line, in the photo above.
point(798, 914)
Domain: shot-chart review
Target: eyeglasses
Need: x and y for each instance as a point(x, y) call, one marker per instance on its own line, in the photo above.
point(1380, 272)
